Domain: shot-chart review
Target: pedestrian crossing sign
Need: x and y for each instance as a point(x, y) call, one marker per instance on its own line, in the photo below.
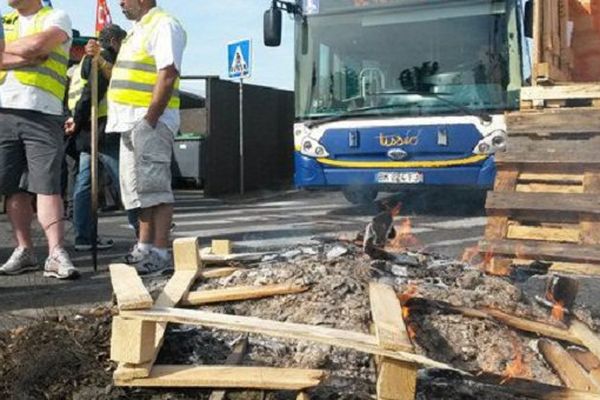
point(239, 59)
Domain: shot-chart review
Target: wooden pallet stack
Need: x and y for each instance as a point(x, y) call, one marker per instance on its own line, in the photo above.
point(139, 329)
point(546, 201)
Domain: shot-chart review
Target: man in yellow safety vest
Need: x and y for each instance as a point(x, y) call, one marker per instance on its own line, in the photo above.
point(33, 81)
point(143, 105)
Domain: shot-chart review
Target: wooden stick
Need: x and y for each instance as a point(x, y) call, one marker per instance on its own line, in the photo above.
point(228, 377)
point(94, 161)
point(129, 289)
point(570, 371)
point(235, 357)
point(240, 293)
point(335, 337)
point(587, 337)
point(209, 273)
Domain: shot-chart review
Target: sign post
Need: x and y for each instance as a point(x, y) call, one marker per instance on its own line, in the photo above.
point(239, 56)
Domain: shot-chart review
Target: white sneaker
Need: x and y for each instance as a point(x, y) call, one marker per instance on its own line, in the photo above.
point(136, 255)
point(22, 260)
point(58, 265)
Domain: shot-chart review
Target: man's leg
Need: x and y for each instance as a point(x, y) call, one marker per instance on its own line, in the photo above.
point(82, 218)
point(163, 216)
point(50, 217)
point(146, 218)
point(20, 213)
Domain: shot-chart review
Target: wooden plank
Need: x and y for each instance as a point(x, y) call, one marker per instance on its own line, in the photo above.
point(591, 182)
point(543, 233)
point(303, 396)
point(397, 380)
point(590, 230)
point(132, 341)
point(585, 358)
point(210, 273)
point(570, 371)
point(221, 247)
point(548, 159)
point(506, 180)
point(334, 337)
point(561, 92)
point(584, 203)
point(236, 357)
point(228, 377)
point(548, 188)
point(496, 227)
point(586, 335)
point(576, 268)
point(128, 287)
point(541, 251)
point(565, 179)
point(186, 254)
point(176, 288)
point(554, 121)
point(241, 293)
point(387, 316)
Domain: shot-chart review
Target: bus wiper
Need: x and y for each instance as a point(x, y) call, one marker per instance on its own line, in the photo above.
point(484, 117)
point(349, 114)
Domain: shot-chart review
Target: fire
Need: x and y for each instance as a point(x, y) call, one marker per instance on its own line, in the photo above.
point(408, 294)
point(517, 367)
point(404, 237)
point(558, 310)
point(469, 254)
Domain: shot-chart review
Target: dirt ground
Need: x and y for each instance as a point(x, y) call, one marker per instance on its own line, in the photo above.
point(68, 359)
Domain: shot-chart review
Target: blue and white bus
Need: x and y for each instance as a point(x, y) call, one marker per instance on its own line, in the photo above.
point(397, 93)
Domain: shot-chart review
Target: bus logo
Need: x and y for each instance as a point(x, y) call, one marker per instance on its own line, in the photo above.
point(397, 140)
point(397, 154)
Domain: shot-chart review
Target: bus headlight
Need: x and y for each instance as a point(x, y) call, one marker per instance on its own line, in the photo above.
point(312, 148)
point(494, 142)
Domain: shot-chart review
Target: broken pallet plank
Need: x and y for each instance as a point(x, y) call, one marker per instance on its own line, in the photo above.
point(586, 358)
point(570, 371)
point(240, 293)
point(396, 380)
point(236, 357)
point(210, 273)
point(588, 337)
point(334, 337)
point(549, 158)
point(561, 92)
point(128, 287)
point(543, 233)
point(582, 203)
point(176, 288)
point(131, 341)
point(228, 377)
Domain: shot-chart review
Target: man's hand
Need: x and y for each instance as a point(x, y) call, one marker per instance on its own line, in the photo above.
point(38, 45)
point(92, 48)
point(70, 127)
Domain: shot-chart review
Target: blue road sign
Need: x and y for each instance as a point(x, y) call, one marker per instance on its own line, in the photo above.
point(239, 59)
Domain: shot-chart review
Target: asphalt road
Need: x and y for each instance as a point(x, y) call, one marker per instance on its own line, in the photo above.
point(443, 221)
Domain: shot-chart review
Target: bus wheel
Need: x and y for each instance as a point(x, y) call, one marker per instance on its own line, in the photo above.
point(360, 196)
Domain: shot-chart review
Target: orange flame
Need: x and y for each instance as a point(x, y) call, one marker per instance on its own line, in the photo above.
point(469, 254)
point(404, 237)
point(558, 310)
point(408, 294)
point(517, 367)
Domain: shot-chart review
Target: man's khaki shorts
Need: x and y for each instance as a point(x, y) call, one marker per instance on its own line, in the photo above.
point(145, 166)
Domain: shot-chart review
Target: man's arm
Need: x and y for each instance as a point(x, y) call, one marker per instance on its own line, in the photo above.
point(38, 45)
point(11, 61)
point(163, 89)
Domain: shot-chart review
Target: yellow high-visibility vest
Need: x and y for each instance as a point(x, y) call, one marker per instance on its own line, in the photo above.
point(76, 90)
point(51, 75)
point(135, 74)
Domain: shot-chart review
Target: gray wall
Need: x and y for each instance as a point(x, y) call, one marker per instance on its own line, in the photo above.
point(268, 138)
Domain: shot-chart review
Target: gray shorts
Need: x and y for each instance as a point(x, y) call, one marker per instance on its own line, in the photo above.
point(145, 166)
point(31, 152)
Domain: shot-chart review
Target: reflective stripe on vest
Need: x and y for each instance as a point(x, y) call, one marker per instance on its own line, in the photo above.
point(76, 90)
point(51, 75)
point(135, 74)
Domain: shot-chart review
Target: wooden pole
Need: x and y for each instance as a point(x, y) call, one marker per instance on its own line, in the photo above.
point(94, 162)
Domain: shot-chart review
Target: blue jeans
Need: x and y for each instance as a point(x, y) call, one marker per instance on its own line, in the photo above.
point(82, 196)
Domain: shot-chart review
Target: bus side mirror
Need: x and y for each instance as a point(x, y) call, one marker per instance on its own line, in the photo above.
point(272, 27)
point(528, 19)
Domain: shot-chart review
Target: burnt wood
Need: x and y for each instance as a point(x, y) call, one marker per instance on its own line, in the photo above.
point(563, 202)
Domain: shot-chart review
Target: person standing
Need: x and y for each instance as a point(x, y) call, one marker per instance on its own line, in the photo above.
point(1, 40)
point(143, 105)
point(32, 87)
point(79, 127)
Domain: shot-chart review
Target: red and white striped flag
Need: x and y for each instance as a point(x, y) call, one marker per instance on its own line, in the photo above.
point(103, 17)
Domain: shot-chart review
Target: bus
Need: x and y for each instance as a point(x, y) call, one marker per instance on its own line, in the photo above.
point(397, 94)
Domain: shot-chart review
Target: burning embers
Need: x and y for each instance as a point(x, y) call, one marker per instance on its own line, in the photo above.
point(384, 235)
point(517, 367)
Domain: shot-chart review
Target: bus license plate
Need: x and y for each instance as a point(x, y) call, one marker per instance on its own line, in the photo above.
point(400, 177)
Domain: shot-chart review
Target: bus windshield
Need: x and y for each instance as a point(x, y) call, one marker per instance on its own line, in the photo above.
point(467, 51)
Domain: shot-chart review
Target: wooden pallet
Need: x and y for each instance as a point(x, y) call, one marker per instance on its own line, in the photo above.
point(563, 95)
point(546, 201)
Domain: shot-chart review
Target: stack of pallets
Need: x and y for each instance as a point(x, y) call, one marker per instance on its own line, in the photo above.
point(546, 201)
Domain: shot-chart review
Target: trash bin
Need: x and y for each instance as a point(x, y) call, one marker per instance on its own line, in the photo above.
point(187, 158)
